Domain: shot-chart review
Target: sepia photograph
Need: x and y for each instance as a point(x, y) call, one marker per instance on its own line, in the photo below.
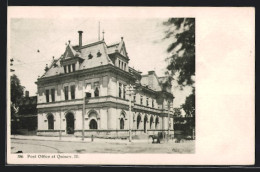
point(84, 86)
point(88, 93)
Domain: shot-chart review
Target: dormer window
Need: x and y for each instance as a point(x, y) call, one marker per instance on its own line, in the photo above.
point(65, 69)
point(73, 67)
point(99, 54)
point(90, 56)
point(69, 68)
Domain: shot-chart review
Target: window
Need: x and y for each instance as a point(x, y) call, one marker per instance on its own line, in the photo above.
point(50, 119)
point(125, 66)
point(134, 98)
point(151, 122)
point(122, 124)
point(156, 123)
point(124, 91)
point(73, 67)
point(141, 100)
point(153, 103)
point(147, 101)
point(88, 90)
point(93, 124)
point(53, 95)
point(138, 121)
point(96, 92)
point(120, 92)
point(99, 54)
point(72, 92)
point(119, 63)
point(65, 69)
point(69, 69)
point(66, 92)
point(47, 95)
point(90, 56)
point(145, 121)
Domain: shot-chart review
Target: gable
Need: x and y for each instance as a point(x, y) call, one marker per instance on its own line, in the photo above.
point(69, 52)
point(123, 50)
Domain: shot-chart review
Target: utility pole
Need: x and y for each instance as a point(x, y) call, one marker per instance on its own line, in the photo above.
point(60, 126)
point(130, 111)
point(83, 113)
point(11, 64)
point(130, 90)
point(168, 121)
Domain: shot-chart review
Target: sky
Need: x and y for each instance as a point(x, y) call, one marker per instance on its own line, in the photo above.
point(143, 40)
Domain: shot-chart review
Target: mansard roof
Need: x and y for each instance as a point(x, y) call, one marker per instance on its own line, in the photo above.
point(97, 54)
point(83, 53)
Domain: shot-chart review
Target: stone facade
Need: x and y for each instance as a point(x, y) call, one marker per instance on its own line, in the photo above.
point(101, 74)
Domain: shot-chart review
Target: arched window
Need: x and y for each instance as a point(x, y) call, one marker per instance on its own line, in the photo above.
point(145, 121)
point(93, 124)
point(124, 91)
point(96, 92)
point(138, 121)
point(122, 124)
point(156, 123)
point(119, 89)
point(50, 122)
point(151, 122)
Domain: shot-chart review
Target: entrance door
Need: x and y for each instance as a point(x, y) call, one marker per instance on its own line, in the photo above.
point(93, 124)
point(70, 123)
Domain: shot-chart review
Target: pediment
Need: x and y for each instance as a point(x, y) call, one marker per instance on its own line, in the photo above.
point(69, 52)
point(123, 50)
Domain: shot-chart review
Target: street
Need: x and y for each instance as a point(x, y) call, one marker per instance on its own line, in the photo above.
point(47, 146)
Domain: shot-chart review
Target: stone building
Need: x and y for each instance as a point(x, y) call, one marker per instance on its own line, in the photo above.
point(100, 73)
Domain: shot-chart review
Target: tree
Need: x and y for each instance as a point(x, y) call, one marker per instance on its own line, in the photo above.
point(189, 105)
point(177, 112)
point(182, 49)
point(16, 94)
point(182, 56)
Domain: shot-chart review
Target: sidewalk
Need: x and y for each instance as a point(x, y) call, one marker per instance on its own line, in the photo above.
point(77, 139)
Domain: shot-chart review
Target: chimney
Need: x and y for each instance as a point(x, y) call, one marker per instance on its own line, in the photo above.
point(151, 72)
point(26, 93)
point(80, 38)
point(151, 79)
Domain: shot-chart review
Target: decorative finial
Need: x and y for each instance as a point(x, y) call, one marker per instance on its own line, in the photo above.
point(46, 68)
point(69, 41)
point(122, 38)
point(52, 57)
point(103, 35)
